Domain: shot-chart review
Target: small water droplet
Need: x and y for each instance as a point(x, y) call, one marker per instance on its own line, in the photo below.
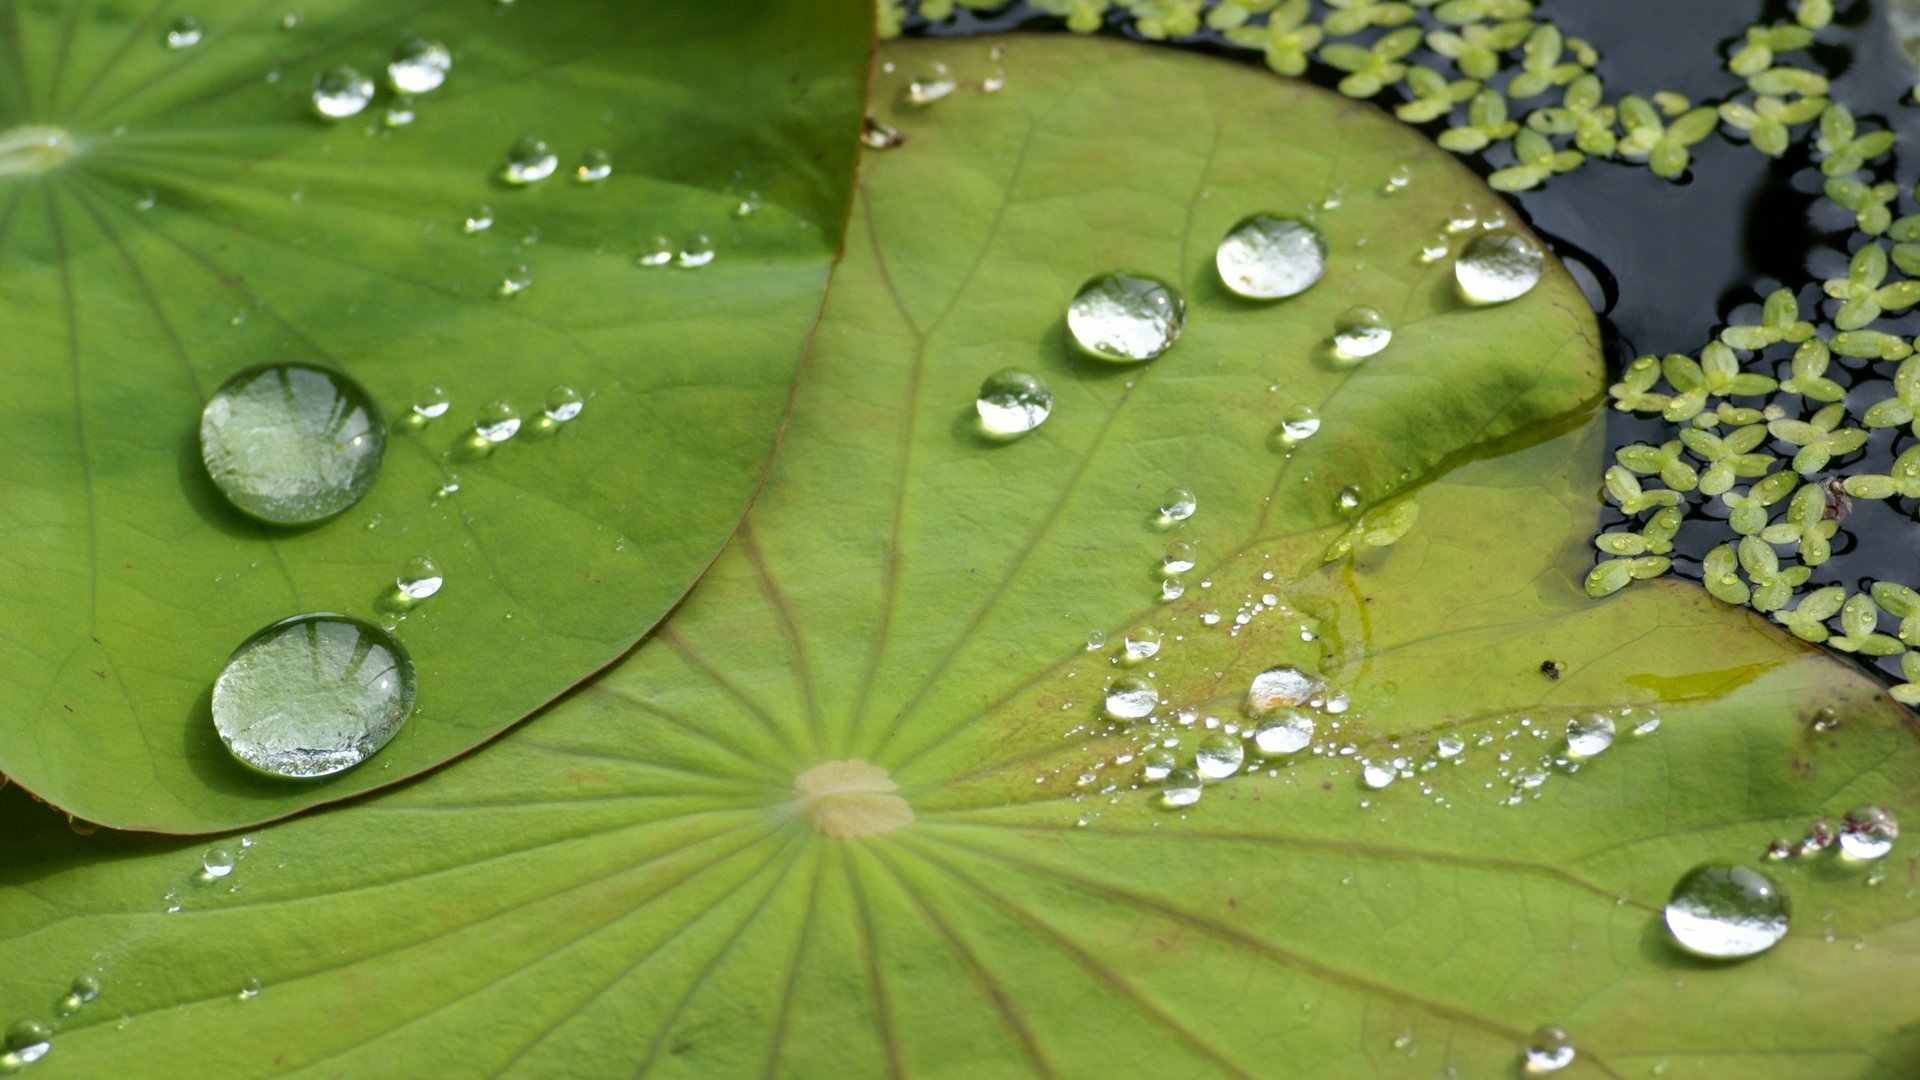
point(1377, 775)
point(1131, 697)
point(400, 113)
point(86, 987)
point(515, 281)
point(1361, 331)
point(147, 201)
point(1180, 788)
point(1178, 504)
point(1397, 180)
point(1463, 217)
point(1726, 912)
point(1280, 687)
point(875, 135)
point(595, 165)
point(249, 989)
point(1126, 317)
point(216, 864)
point(184, 33)
point(1013, 402)
point(1096, 639)
point(1268, 257)
point(497, 422)
point(1179, 557)
point(695, 251)
point(1348, 500)
point(1497, 267)
point(419, 65)
point(420, 578)
point(341, 92)
point(291, 20)
point(1589, 734)
point(292, 444)
point(27, 1041)
point(529, 160)
point(478, 220)
point(1868, 832)
point(1219, 756)
point(931, 85)
point(312, 695)
point(431, 402)
point(1156, 763)
point(1285, 731)
point(657, 252)
point(1450, 746)
point(1141, 643)
point(563, 404)
point(1648, 726)
point(1173, 588)
point(1301, 424)
point(747, 205)
point(1547, 1052)
point(1434, 248)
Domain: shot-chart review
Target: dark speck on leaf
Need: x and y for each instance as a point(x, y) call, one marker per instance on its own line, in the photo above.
point(1552, 669)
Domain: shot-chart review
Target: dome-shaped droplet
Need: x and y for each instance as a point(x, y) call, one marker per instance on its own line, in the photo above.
point(1589, 734)
point(419, 65)
point(1434, 248)
point(312, 695)
point(1727, 912)
point(1013, 402)
point(1361, 331)
point(420, 578)
point(747, 204)
point(1497, 267)
point(529, 160)
point(1348, 500)
point(656, 252)
point(1130, 697)
point(516, 280)
point(341, 92)
point(931, 85)
point(400, 113)
point(1547, 1052)
point(1868, 832)
point(695, 251)
point(292, 444)
point(1286, 731)
point(1126, 317)
point(183, 33)
point(1141, 643)
point(1377, 774)
point(478, 220)
point(431, 402)
point(1301, 424)
point(1219, 756)
point(215, 864)
point(1179, 557)
point(85, 987)
point(1096, 639)
point(1178, 504)
point(1156, 763)
point(1173, 588)
point(497, 422)
point(1268, 257)
point(27, 1041)
point(1280, 687)
point(595, 165)
point(563, 404)
point(1180, 788)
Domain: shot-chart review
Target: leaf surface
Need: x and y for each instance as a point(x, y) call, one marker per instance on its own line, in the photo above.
point(273, 235)
point(634, 884)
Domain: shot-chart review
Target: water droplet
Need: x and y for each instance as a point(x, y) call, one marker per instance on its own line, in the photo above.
point(400, 113)
point(497, 422)
point(747, 205)
point(657, 252)
point(215, 864)
point(86, 987)
point(1219, 756)
point(529, 161)
point(1497, 267)
point(875, 135)
point(1868, 832)
point(341, 92)
point(1280, 687)
point(1267, 257)
point(1377, 775)
point(27, 1042)
point(1463, 217)
point(291, 20)
point(1179, 557)
point(1156, 763)
point(420, 578)
point(1648, 726)
point(1173, 588)
point(595, 165)
point(931, 85)
point(1450, 746)
point(1361, 331)
point(479, 219)
point(1397, 180)
point(431, 402)
point(292, 444)
point(1287, 731)
point(1130, 697)
point(419, 65)
point(1178, 504)
point(696, 251)
point(147, 200)
point(515, 281)
point(563, 404)
point(1141, 643)
point(1727, 912)
point(1589, 734)
point(1301, 424)
point(1096, 639)
point(1434, 249)
point(1180, 788)
point(249, 989)
point(1548, 1051)
point(1349, 499)
point(184, 33)
point(1126, 317)
point(1013, 402)
point(312, 695)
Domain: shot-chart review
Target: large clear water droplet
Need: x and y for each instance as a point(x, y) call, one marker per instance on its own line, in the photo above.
point(1178, 504)
point(1868, 832)
point(27, 1042)
point(1377, 775)
point(529, 161)
point(312, 695)
point(1449, 746)
point(1130, 697)
point(1547, 1052)
point(1219, 756)
point(292, 444)
point(1361, 331)
point(1301, 424)
point(1013, 402)
point(1180, 788)
point(1589, 734)
point(1126, 317)
point(341, 92)
point(1141, 643)
point(419, 65)
point(1156, 763)
point(1267, 257)
point(1287, 731)
point(1497, 267)
point(420, 578)
point(216, 864)
point(498, 421)
point(1727, 912)
point(1179, 557)
point(563, 404)
point(1280, 687)
point(431, 402)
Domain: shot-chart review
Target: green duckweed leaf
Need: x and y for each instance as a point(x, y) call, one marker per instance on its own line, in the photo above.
point(274, 235)
point(634, 883)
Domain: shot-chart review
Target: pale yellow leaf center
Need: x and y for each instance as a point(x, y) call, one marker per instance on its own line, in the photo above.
point(846, 800)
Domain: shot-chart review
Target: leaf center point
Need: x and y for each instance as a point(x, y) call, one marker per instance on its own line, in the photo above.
point(847, 800)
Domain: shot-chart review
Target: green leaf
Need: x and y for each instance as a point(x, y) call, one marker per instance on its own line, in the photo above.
point(274, 235)
point(630, 884)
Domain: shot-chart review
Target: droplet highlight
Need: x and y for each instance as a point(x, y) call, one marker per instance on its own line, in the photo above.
point(1268, 257)
point(1497, 267)
point(1013, 402)
point(1727, 912)
point(341, 92)
point(312, 695)
point(1126, 317)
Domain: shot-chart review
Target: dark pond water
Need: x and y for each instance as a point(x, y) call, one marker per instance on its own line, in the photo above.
point(1667, 265)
